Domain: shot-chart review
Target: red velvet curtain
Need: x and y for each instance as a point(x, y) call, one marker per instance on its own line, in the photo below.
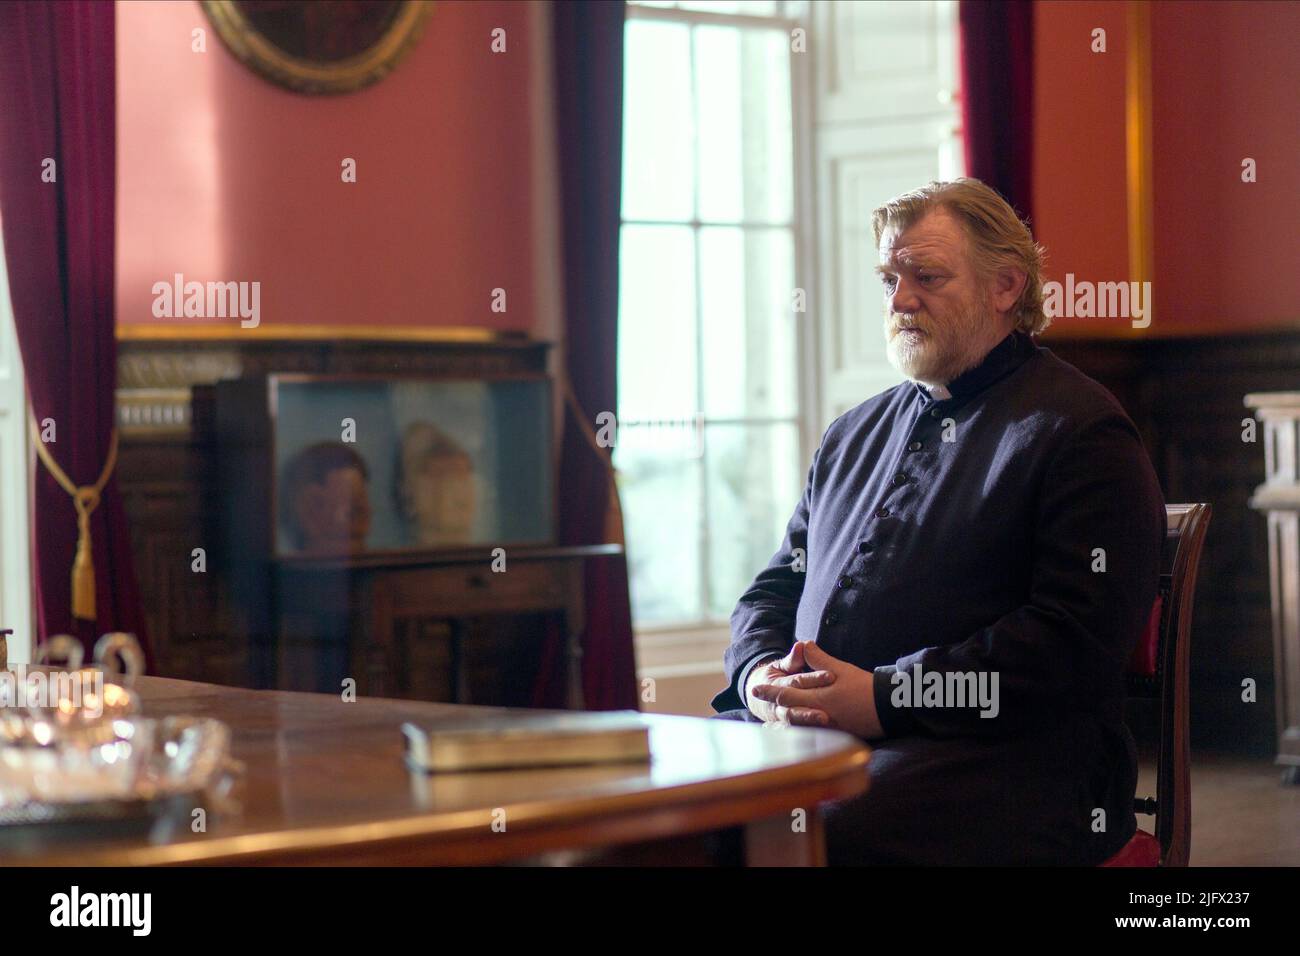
point(57, 77)
point(997, 66)
point(588, 51)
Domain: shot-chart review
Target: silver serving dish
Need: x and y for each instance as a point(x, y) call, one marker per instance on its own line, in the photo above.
point(110, 769)
point(68, 698)
point(76, 750)
point(69, 694)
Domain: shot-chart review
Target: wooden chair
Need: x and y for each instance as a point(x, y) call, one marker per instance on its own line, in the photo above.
point(1158, 671)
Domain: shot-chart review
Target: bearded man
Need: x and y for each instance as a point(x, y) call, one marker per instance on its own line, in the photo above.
point(972, 562)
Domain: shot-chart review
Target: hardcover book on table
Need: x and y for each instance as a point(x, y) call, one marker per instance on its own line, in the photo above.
point(528, 740)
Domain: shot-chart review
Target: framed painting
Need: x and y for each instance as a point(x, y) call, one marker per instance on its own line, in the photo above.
point(359, 465)
point(319, 46)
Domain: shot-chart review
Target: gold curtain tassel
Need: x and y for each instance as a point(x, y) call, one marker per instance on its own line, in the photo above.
point(83, 565)
point(86, 500)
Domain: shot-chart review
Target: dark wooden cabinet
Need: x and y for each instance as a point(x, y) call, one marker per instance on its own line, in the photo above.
point(169, 465)
point(371, 619)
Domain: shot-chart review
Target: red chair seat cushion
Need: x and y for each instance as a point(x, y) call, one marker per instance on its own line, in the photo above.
point(1142, 850)
point(1144, 659)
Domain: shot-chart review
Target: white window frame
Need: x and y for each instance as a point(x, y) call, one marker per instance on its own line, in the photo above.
point(16, 608)
point(695, 646)
point(689, 652)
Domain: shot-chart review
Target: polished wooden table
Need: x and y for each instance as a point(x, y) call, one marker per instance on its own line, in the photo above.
point(324, 783)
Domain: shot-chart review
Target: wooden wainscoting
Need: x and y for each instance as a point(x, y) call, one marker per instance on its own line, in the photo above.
point(1186, 397)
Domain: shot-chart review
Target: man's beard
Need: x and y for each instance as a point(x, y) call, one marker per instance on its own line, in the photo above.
point(947, 346)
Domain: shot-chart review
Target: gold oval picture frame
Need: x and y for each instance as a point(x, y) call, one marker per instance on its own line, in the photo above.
point(319, 46)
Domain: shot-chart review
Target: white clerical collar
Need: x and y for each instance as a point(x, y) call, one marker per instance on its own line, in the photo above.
point(938, 392)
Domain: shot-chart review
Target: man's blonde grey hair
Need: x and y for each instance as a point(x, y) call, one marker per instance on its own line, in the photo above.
point(996, 237)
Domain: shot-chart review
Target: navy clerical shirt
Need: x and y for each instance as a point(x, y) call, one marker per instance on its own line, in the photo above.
point(1012, 529)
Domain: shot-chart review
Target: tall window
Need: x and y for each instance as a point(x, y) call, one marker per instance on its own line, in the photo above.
point(708, 447)
point(15, 565)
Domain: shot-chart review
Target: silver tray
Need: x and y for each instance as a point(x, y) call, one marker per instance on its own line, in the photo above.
point(122, 769)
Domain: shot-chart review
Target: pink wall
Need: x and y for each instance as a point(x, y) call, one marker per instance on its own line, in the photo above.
point(1223, 88)
point(223, 176)
point(1226, 85)
point(1079, 174)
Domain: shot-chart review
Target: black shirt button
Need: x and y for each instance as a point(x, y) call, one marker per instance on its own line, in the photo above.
point(915, 446)
point(845, 582)
point(830, 620)
point(900, 479)
point(882, 513)
point(864, 547)
point(935, 413)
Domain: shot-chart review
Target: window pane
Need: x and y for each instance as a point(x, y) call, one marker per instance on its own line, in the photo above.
point(742, 81)
point(659, 481)
point(755, 7)
point(656, 333)
point(657, 129)
point(754, 483)
point(748, 323)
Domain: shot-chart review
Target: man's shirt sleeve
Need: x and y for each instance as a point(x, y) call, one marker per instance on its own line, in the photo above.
point(1097, 548)
point(762, 625)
